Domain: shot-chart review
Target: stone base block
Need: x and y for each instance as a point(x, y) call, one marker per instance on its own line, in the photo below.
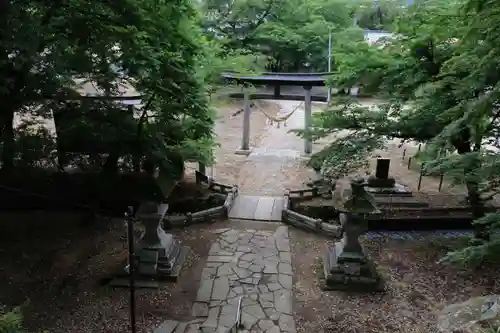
point(172, 272)
point(350, 272)
point(245, 152)
point(395, 190)
point(380, 182)
point(158, 264)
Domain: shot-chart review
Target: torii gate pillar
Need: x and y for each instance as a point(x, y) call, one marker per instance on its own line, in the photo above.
point(307, 118)
point(245, 142)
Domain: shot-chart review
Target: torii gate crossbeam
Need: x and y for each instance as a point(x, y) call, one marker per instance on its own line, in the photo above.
point(307, 80)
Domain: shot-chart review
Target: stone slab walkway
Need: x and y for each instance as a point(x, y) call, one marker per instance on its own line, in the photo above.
point(254, 265)
point(248, 207)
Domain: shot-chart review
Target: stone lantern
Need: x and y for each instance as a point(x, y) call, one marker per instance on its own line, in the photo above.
point(159, 254)
point(346, 265)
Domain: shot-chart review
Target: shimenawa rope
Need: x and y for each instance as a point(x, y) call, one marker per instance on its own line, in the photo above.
point(278, 118)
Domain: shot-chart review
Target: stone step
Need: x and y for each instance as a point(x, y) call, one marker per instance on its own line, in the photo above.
point(400, 202)
point(248, 207)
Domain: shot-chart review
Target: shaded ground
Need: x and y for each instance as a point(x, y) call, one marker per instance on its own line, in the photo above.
point(60, 272)
point(417, 287)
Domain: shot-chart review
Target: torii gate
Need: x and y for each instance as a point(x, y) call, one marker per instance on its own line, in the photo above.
point(307, 80)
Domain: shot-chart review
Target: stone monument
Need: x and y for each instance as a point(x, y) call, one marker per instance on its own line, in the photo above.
point(381, 177)
point(389, 194)
point(346, 265)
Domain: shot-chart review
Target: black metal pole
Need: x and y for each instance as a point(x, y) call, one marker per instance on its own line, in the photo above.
point(131, 265)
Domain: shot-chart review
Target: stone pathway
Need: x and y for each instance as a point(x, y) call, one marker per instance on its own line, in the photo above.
point(254, 266)
point(247, 207)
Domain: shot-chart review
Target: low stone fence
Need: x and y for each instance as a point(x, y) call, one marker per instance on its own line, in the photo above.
point(212, 185)
point(293, 218)
point(206, 215)
point(308, 193)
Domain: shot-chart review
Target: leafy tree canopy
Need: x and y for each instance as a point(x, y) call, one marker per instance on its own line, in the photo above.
point(155, 46)
point(438, 79)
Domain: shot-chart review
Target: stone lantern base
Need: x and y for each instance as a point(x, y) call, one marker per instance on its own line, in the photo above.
point(350, 271)
point(159, 256)
point(164, 261)
point(346, 265)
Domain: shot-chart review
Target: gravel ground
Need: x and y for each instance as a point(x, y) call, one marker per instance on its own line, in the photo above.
point(416, 287)
point(61, 275)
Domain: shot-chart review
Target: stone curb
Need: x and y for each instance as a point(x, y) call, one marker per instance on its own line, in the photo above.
point(298, 220)
point(207, 215)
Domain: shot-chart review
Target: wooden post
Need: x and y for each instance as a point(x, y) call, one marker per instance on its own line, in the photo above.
point(307, 118)
point(404, 154)
point(277, 91)
point(409, 162)
point(245, 143)
point(202, 168)
point(420, 177)
point(440, 182)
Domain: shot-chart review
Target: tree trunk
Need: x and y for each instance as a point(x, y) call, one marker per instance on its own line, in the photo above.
point(463, 146)
point(136, 162)
point(111, 165)
point(8, 140)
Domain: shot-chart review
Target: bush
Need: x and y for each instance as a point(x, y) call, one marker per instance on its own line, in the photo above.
point(12, 322)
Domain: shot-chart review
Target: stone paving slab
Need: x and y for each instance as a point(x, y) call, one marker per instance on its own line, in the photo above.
point(255, 265)
point(274, 153)
point(257, 208)
point(277, 209)
point(244, 207)
point(264, 210)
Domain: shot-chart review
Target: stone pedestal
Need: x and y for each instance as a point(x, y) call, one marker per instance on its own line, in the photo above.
point(388, 182)
point(389, 195)
point(159, 255)
point(346, 266)
point(244, 152)
point(245, 141)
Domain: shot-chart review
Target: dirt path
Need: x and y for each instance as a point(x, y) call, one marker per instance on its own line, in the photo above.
point(229, 133)
point(276, 163)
